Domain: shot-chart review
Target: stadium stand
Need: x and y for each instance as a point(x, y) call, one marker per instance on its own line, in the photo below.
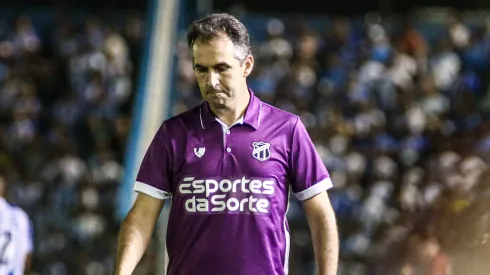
point(66, 82)
point(398, 110)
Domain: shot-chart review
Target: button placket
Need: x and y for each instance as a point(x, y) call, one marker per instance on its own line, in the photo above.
point(227, 133)
point(226, 149)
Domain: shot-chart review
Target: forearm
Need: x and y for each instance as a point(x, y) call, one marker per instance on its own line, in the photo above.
point(27, 263)
point(132, 243)
point(325, 243)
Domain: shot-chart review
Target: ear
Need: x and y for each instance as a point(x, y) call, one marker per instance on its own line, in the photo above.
point(249, 65)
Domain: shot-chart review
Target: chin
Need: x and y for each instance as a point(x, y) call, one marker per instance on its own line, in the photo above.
point(216, 103)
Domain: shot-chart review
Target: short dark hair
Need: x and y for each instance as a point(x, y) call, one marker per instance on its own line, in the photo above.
point(217, 24)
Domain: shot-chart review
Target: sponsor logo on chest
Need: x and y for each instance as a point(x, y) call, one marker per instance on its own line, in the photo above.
point(229, 195)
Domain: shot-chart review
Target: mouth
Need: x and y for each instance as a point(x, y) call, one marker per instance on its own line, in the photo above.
point(213, 93)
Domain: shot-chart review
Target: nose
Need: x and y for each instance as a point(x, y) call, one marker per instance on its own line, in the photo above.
point(213, 79)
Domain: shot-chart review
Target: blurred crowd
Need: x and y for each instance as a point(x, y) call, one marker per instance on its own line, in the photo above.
point(398, 109)
point(66, 85)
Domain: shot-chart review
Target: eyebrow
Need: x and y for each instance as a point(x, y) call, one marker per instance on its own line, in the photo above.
point(222, 64)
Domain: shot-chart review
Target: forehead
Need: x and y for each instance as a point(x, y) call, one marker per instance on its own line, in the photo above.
point(214, 51)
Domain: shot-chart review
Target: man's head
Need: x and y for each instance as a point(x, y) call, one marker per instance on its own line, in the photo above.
point(222, 58)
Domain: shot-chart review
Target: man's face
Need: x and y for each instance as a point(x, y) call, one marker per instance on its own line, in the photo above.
point(220, 75)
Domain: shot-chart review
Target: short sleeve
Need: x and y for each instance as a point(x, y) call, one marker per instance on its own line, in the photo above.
point(307, 173)
point(154, 175)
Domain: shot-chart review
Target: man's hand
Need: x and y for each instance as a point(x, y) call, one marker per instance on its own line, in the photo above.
point(323, 227)
point(27, 263)
point(136, 231)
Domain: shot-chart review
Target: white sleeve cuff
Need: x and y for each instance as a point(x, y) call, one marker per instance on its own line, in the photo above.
point(151, 191)
point(314, 190)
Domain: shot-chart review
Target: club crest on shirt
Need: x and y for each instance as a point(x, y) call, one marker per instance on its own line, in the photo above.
point(261, 150)
point(199, 152)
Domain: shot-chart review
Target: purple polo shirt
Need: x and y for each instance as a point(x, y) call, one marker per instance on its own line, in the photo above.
point(230, 188)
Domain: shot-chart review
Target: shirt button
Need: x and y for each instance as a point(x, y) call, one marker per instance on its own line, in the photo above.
point(228, 150)
point(228, 132)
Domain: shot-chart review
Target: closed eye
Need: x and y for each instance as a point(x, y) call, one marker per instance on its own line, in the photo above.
point(200, 69)
point(222, 68)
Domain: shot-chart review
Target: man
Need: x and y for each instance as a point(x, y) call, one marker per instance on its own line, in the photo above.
point(15, 237)
point(228, 165)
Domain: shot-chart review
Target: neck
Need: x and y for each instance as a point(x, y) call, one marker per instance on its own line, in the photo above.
point(230, 114)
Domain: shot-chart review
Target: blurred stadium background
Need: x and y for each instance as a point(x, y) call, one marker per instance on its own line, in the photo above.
point(395, 95)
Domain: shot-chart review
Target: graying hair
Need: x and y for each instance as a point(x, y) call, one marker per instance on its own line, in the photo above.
point(219, 24)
